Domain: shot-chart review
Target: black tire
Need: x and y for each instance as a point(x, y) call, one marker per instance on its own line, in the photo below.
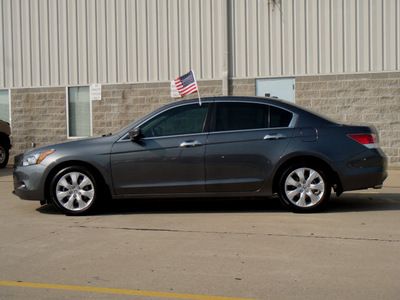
point(75, 191)
point(4, 155)
point(304, 188)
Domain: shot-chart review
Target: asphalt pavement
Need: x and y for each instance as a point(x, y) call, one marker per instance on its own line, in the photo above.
point(195, 249)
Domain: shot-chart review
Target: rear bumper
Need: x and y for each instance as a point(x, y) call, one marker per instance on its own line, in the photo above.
point(367, 170)
point(364, 179)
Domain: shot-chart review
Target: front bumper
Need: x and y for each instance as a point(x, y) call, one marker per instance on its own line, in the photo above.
point(29, 182)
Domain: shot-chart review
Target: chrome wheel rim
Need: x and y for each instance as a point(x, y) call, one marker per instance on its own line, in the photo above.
point(75, 191)
point(304, 187)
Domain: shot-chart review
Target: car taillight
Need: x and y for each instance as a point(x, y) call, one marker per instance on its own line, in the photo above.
point(369, 140)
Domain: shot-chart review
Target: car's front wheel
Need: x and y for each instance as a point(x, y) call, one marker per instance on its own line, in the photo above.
point(74, 190)
point(304, 188)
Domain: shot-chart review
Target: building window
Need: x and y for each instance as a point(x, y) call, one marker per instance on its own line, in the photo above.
point(4, 106)
point(79, 112)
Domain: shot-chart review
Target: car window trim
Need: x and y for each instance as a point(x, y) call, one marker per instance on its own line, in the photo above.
point(166, 136)
point(210, 120)
point(248, 130)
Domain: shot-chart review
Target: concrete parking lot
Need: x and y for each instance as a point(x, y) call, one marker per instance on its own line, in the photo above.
point(220, 249)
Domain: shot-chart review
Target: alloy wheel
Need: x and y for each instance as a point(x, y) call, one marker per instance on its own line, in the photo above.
point(304, 187)
point(75, 191)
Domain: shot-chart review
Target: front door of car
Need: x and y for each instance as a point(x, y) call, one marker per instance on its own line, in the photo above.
point(246, 141)
point(167, 158)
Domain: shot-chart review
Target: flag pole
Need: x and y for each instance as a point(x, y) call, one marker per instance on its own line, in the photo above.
point(198, 90)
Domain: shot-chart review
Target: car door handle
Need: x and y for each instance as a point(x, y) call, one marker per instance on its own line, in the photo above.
point(190, 144)
point(275, 136)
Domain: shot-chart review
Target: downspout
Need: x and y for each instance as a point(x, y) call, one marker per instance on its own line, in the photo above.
point(225, 48)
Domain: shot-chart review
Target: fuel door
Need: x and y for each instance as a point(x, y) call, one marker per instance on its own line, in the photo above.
point(309, 134)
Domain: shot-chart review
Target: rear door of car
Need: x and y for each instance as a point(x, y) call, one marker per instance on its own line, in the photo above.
point(245, 142)
point(168, 158)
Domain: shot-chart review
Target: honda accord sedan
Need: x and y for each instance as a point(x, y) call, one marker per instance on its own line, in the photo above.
point(236, 147)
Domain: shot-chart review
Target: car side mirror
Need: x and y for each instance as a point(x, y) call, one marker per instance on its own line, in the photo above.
point(135, 134)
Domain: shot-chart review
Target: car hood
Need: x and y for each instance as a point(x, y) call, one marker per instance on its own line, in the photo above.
point(100, 145)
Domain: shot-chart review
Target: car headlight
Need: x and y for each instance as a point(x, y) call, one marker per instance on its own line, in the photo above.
point(36, 158)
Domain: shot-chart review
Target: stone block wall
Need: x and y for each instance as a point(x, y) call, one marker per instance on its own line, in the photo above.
point(39, 115)
point(361, 98)
point(38, 118)
point(242, 87)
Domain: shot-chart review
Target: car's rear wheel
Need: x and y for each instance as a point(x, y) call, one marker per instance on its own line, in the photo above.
point(4, 156)
point(304, 188)
point(74, 190)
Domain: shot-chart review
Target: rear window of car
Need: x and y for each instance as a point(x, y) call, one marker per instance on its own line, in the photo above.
point(240, 116)
point(279, 117)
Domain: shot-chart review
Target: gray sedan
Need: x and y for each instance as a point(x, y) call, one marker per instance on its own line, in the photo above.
point(227, 147)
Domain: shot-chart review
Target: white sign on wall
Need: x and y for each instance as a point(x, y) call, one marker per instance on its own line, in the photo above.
point(95, 91)
point(174, 90)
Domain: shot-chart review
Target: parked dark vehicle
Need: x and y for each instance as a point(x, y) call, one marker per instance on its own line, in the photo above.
point(5, 144)
point(227, 147)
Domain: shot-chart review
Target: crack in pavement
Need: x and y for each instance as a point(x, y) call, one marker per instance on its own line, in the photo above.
point(242, 233)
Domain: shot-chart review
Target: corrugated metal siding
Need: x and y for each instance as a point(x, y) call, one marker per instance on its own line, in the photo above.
point(306, 37)
point(77, 42)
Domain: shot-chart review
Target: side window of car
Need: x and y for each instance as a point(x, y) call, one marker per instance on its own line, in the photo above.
point(186, 119)
point(239, 116)
point(279, 117)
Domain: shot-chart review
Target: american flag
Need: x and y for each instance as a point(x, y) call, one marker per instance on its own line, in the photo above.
point(186, 84)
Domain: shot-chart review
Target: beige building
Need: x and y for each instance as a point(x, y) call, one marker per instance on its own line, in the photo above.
point(337, 57)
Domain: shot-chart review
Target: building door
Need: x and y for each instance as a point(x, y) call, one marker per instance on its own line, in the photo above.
point(283, 88)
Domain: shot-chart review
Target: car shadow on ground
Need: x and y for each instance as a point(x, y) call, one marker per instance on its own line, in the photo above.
point(180, 206)
point(348, 202)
